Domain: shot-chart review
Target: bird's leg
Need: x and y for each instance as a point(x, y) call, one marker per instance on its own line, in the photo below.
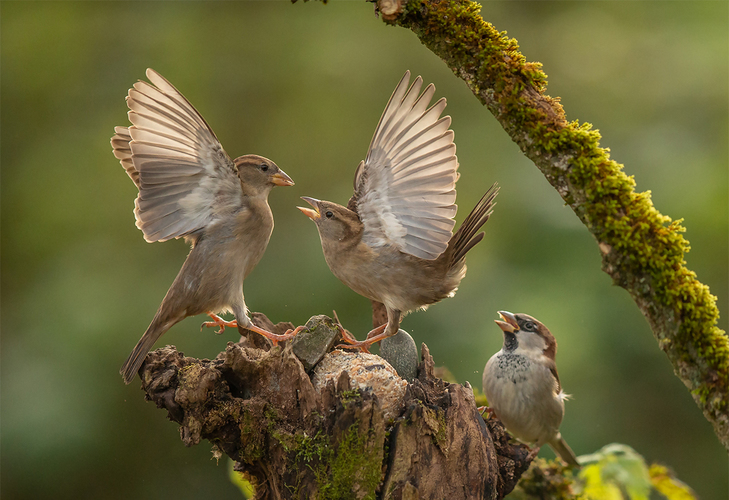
point(373, 337)
point(379, 333)
point(347, 336)
point(487, 410)
point(353, 343)
point(273, 337)
point(218, 321)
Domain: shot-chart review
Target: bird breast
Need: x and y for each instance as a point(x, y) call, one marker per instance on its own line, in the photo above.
point(225, 254)
point(523, 393)
point(385, 274)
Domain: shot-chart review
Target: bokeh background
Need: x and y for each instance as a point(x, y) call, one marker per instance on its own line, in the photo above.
point(305, 84)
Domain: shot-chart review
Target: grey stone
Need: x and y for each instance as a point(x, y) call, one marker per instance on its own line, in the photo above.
point(400, 351)
point(318, 338)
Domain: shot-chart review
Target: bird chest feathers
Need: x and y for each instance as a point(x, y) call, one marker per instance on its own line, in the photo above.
point(523, 393)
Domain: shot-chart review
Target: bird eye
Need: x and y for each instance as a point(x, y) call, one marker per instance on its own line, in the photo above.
point(264, 168)
point(329, 214)
point(529, 325)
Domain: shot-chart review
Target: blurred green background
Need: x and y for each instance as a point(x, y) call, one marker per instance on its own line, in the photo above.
point(305, 85)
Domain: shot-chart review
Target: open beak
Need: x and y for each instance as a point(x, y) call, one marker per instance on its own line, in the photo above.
point(312, 214)
point(509, 323)
point(281, 179)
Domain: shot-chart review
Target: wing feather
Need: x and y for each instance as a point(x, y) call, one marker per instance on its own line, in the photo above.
point(405, 188)
point(122, 151)
point(184, 176)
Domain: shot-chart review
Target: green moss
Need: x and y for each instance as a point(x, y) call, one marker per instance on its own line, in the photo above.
point(354, 468)
point(352, 471)
point(348, 396)
point(643, 250)
point(546, 479)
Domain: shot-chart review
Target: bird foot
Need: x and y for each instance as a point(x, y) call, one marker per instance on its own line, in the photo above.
point(347, 335)
point(273, 337)
point(218, 321)
point(373, 337)
point(486, 410)
point(483, 410)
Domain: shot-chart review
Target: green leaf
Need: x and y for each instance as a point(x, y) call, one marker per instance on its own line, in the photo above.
point(595, 487)
point(668, 485)
point(246, 488)
point(614, 469)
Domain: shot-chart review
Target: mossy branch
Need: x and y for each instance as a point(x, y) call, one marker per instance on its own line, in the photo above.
point(642, 250)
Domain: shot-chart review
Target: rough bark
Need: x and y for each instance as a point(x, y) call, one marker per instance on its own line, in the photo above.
point(259, 407)
point(642, 250)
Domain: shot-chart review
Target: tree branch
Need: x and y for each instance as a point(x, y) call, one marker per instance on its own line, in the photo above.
point(642, 250)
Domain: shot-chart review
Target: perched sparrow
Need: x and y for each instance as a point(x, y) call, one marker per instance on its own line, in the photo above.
point(522, 386)
point(190, 188)
point(393, 243)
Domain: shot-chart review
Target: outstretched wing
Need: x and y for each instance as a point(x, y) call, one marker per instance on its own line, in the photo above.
point(405, 188)
point(185, 178)
point(120, 144)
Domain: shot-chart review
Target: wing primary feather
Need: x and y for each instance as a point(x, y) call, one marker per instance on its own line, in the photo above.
point(162, 83)
point(401, 116)
point(184, 110)
point(396, 97)
point(417, 118)
point(152, 98)
point(424, 137)
point(144, 121)
point(161, 118)
point(162, 136)
point(436, 156)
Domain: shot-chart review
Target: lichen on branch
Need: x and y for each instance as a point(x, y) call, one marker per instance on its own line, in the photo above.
point(642, 250)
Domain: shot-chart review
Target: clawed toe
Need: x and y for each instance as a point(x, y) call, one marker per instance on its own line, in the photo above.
point(211, 324)
point(274, 337)
point(218, 321)
point(355, 344)
point(486, 410)
point(351, 342)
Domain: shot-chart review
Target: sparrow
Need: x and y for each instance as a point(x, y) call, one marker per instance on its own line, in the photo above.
point(522, 386)
point(190, 188)
point(393, 243)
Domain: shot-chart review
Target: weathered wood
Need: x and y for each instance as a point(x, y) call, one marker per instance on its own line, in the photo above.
point(259, 407)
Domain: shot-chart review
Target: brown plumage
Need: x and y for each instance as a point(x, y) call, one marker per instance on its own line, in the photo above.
point(190, 188)
point(522, 386)
point(393, 243)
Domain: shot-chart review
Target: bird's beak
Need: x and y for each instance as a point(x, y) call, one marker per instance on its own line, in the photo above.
point(281, 179)
point(312, 214)
point(509, 324)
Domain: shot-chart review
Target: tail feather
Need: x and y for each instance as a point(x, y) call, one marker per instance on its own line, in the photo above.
point(466, 237)
point(154, 331)
point(562, 449)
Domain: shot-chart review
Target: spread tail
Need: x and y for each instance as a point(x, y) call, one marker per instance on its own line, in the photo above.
point(562, 449)
point(466, 237)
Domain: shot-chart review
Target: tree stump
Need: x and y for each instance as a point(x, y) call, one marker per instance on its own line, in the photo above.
point(257, 404)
